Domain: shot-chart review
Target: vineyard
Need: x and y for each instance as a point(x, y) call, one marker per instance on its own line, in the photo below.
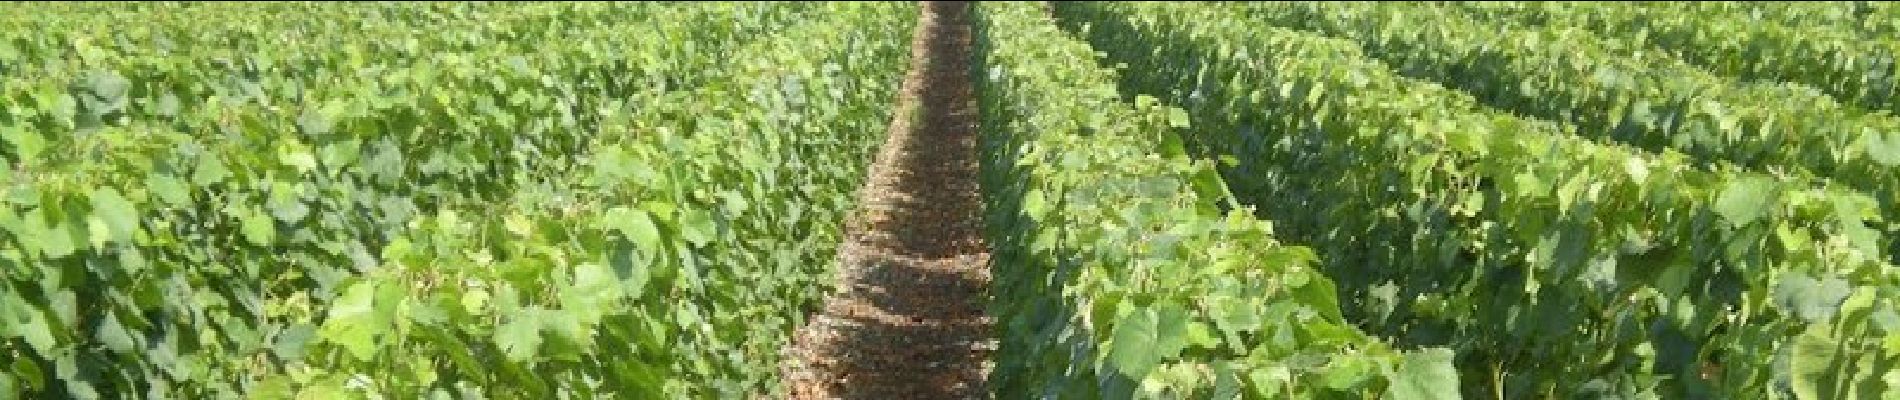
point(648, 200)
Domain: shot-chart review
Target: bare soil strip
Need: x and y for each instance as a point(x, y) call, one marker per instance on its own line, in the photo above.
point(908, 321)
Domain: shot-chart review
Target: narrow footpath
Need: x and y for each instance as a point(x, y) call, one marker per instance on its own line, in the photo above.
point(908, 320)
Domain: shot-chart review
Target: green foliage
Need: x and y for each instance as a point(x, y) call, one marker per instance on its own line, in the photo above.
point(212, 200)
point(1868, 18)
point(1553, 265)
point(1619, 90)
point(1851, 57)
point(1119, 271)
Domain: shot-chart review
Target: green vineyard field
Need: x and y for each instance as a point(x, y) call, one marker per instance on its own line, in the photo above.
point(1179, 200)
point(512, 201)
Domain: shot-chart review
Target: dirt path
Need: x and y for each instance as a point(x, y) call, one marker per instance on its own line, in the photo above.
point(908, 321)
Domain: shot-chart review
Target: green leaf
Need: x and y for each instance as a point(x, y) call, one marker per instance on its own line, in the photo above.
point(210, 170)
point(637, 226)
point(291, 342)
point(354, 323)
point(1172, 145)
point(120, 216)
point(475, 301)
point(330, 387)
point(167, 105)
point(26, 143)
point(1346, 372)
point(1034, 204)
point(1145, 101)
point(1296, 278)
point(315, 121)
point(1171, 334)
point(1813, 300)
point(1884, 148)
point(27, 323)
point(1268, 381)
point(169, 189)
point(1320, 294)
point(1425, 374)
point(58, 240)
point(612, 164)
point(29, 373)
point(1201, 336)
point(1207, 184)
point(108, 85)
point(77, 386)
point(1745, 199)
point(629, 270)
point(1467, 141)
point(275, 387)
point(297, 157)
point(697, 227)
point(63, 107)
point(1233, 317)
point(1133, 350)
point(1811, 363)
point(1284, 257)
point(520, 337)
point(258, 228)
point(565, 324)
point(1637, 168)
point(1177, 117)
point(114, 335)
point(284, 204)
point(64, 307)
point(595, 288)
point(735, 204)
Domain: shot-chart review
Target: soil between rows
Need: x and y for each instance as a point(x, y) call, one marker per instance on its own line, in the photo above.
point(908, 320)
